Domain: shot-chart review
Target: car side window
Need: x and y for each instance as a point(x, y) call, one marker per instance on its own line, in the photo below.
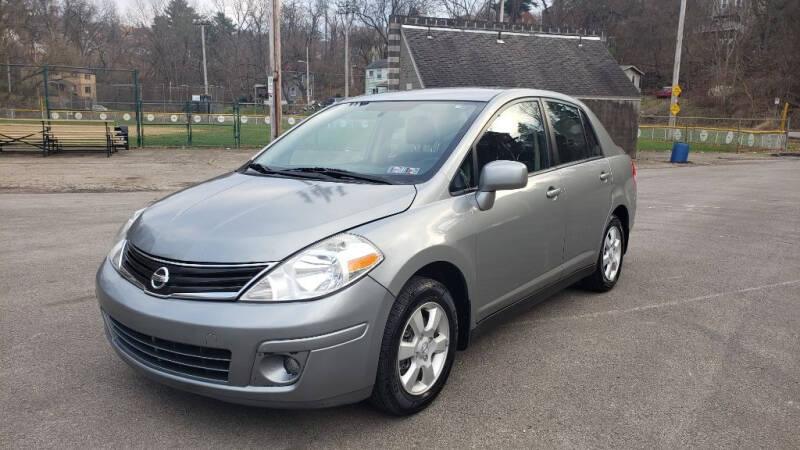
point(591, 136)
point(565, 121)
point(517, 134)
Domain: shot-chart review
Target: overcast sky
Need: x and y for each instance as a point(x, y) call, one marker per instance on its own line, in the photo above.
point(129, 9)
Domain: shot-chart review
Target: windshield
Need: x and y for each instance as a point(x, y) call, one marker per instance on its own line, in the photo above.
point(402, 142)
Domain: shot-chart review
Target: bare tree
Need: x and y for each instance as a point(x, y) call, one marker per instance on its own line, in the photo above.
point(465, 9)
point(375, 14)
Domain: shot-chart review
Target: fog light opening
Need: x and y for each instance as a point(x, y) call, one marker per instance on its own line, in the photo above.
point(281, 369)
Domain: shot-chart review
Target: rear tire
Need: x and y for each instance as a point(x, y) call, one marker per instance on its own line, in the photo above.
point(424, 324)
point(609, 261)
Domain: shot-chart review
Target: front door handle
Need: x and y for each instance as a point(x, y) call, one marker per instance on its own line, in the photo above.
point(553, 192)
point(604, 176)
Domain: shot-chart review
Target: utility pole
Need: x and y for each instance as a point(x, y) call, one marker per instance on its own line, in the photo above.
point(347, 60)
point(308, 79)
point(502, 6)
point(347, 10)
point(8, 72)
point(275, 66)
point(676, 68)
point(205, 70)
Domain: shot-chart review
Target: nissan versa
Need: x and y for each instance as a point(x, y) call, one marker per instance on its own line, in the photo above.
point(352, 257)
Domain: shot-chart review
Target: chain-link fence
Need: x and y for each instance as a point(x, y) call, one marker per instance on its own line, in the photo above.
point(71, 93)
point(714, 134)
point(78, 95)
point(216, 124)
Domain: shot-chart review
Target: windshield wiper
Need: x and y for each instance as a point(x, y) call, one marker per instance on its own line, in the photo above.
point(341, 174)
point(265, 170)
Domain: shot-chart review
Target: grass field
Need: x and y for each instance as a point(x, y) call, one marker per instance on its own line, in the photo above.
point(206, 135)
point(254, 134)
point(709, 140)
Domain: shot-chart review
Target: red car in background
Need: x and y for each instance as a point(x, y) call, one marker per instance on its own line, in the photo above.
point(664, 92)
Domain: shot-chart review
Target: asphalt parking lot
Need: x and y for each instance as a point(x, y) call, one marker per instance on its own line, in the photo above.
point(698, 345)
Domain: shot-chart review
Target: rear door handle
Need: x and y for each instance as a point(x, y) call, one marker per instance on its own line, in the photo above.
point(553, 192)
point(604, 176)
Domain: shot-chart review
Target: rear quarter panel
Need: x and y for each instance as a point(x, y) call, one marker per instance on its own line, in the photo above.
point(624, 189)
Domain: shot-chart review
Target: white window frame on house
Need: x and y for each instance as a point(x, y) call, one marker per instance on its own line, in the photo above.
point(380, 75)
point(723, 4)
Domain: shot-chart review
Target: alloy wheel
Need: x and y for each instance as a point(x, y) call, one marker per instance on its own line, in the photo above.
point(612, 253)
point(423, 348)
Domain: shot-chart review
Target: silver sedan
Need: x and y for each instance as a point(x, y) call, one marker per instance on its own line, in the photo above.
point(351, 258)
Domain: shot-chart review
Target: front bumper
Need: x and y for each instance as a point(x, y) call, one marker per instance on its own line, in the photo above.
point(339, 337)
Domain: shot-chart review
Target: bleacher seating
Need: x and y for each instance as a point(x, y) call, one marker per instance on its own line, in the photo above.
point(51, 136)
point(24, 135)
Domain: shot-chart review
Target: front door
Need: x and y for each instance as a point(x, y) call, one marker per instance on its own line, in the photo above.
point(520, 242)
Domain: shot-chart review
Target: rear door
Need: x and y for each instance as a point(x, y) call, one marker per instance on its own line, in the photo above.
point(587, 181)
point(519, 241)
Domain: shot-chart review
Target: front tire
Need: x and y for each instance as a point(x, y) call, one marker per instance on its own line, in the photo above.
point(418, 348)
point(609, 262)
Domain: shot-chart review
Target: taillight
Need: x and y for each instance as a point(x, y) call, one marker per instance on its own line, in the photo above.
point(633, 171)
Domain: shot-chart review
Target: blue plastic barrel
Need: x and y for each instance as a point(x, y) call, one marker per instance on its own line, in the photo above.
point(680, 152)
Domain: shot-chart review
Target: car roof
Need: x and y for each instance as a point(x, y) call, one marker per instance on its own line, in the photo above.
point(474, 94)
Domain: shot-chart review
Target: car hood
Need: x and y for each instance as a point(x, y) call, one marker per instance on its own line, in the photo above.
point(243, 218)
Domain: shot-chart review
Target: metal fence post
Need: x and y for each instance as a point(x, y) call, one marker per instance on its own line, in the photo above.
point(140, 123)
point(137, 109)
point(188, 110)
point(46, 96)
point(237, 125)
point(686, 132)
point(738, 135)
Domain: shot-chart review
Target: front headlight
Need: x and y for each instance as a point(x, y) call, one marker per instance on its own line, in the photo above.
point(115, 255)
point(323, 268)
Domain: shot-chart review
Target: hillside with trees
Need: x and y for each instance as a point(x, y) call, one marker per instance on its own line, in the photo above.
point(738, 54)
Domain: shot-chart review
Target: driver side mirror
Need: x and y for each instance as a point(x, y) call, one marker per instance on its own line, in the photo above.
point(499, 175)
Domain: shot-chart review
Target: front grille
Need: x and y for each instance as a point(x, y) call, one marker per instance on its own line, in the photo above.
point(191, 280)
point(203, 363)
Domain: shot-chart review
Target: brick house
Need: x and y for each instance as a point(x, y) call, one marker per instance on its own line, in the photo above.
point(426, 52)
point(74, 89)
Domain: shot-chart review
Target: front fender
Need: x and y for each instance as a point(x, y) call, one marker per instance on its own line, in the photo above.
point(408, 245)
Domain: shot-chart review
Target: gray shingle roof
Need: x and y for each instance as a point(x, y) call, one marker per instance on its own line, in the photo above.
point(378, 64)
point(460, 58)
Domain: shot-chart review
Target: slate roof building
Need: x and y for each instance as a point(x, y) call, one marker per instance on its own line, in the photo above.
point(634, 74)
point(427, 52)
point(376, 76)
